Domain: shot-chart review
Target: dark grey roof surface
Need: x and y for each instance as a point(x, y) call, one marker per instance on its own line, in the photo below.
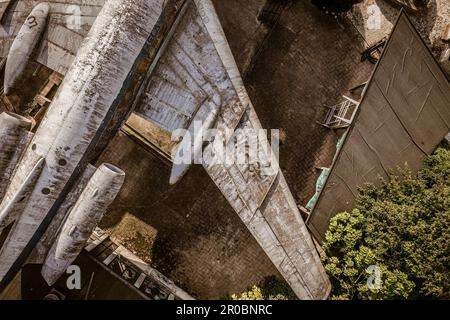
point(404, 114)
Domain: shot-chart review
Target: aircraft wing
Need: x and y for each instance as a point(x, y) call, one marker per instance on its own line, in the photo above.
point(194, 80)
point(196, 77)
point(189, 80)
point(68, 23)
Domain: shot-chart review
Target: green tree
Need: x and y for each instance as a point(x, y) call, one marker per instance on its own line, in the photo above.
point(254, 293)
point(270, 288)
point(402, 227)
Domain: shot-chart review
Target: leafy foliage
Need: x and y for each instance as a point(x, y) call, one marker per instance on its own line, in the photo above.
point(403, 228)
point(254, 293)
point(271, 288)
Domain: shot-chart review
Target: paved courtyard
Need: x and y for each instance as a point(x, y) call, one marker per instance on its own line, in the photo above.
point(188, 231)
point(293, 60)
point(291, 69)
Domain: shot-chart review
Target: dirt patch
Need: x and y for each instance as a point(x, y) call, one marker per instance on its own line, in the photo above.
point(136, 235)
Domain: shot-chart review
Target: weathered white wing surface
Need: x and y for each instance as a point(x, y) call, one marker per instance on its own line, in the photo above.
point(69, 22)
point(197, 75)
point(189, 80)
point(262, 197)
point(195, 78)
point(88, 98)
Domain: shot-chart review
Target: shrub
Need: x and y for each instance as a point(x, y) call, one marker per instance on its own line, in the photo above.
point(402, 227)
point(271, 288)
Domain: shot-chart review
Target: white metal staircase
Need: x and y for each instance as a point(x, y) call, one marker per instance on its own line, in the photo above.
point(341, 115)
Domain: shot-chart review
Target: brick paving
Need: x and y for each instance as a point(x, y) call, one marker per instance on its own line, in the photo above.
point(189, 232)
point(309, 60)
point(199, 241)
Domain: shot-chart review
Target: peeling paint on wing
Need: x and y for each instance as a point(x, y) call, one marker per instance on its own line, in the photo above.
point(14, 133)
point(14, 206)
point(89, 209)
point(41, 250)
point(92, 85)
point(190, 80)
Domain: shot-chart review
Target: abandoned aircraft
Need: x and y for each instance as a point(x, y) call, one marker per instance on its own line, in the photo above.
point(169, 62)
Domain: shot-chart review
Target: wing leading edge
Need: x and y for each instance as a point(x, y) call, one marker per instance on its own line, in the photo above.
point(197, 77)
point(194, 81)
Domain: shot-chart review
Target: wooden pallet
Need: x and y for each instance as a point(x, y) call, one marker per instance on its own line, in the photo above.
point(43, 99)
point(53, 81)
